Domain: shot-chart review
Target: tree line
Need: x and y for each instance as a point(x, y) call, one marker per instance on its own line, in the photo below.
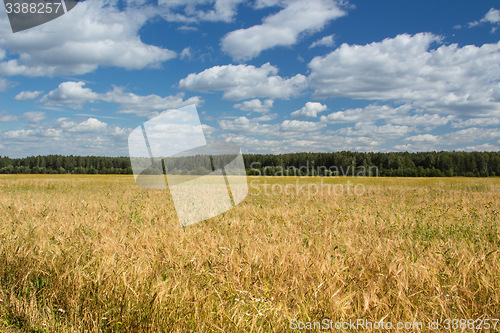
point(393, 164)
point(401, 164)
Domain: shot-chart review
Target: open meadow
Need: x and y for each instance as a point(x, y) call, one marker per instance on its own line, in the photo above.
point(99, 254)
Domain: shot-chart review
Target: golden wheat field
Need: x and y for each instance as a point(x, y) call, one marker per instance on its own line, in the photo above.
point(99, 254)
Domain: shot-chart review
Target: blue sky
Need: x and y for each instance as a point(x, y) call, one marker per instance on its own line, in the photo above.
point(272, 76)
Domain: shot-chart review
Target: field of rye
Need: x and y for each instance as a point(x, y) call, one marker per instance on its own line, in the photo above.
point(99, 254)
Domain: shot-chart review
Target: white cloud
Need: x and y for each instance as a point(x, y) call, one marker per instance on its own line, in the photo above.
point(245, 81)
point(489, 121)
point(300, 126)
point(33, 135)
point(70, 93)
point(301, 142)
point(186, 53)
point(190, 11)
point(483, 147)
point(422, 138)
point(95, 33)
point(469, 135)
point(266, 117)
point(251, 127)
point(91, 125)
point(3, 84)
point(422, 120)
point(416, 147)
point(259, 4)
point(288, 136)
point(67, 136)
point(74, 95)
point(325, 41)
point(6, 84)
point(34, 117)
point(208, 130)
point(187, 28)
point(281, 29)
point(368, 129)
point(244, 125)
point(310, 110)
point(255, 105)
point(150, 105)
point(25, 95)
point(492, 17)
point(371, 112)
point(5, 117)
point(449, 79)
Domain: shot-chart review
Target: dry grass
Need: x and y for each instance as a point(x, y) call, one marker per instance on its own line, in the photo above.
point(98, 254)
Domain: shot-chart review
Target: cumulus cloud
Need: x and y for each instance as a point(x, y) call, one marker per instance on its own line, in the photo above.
point(67, 136)
point(483, 147)
point(243, 125)
point(325, 41)
point(253, 127)
point(245, 81)
point(448, 79)
point(368, 129)
point(95, 33)
point(300, 126)
point(310, 110)
point(281, 29)
point(406, 114)
point(196, 10)
point(266, 117)
point(428, 120)
point(34, 117)
point(6, 84)
point(371, 113)
point(491, 17)
point(72, 94)
point(376, 128)
point(488, 121)
point(255, 105)
point(75, 95)
point(186, 53)
point(5, 117)
point(187, 28)
point(422, 138)
point(259, 4)
point(3, 84)
point(287, 142)
point(469, 135)
point(25, 95)
point(208, 130)
point(91, 125)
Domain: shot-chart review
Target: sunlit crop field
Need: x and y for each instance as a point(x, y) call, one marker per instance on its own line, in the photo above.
point(99, 254)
